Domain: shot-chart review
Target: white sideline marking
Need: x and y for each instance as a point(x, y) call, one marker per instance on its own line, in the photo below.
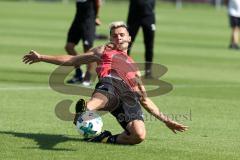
point(23, 88)
point(206, 86)
point(30, 88)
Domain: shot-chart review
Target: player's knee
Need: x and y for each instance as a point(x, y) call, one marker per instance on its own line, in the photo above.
point(69, 48)
point(87, 47)
point(66, 48)
point(139, 137)
point(137, 131)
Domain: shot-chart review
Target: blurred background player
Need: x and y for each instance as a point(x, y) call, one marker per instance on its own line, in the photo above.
point(83, 28)
point(141, 14)
point(234, 19)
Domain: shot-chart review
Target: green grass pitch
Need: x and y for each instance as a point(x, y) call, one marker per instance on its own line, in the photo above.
point(192, 43)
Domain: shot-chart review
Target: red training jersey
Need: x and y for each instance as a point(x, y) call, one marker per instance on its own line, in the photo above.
point(118, 62)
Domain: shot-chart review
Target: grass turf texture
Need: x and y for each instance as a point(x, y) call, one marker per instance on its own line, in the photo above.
point(191, 42)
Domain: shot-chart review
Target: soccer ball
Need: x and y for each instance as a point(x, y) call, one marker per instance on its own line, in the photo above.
point(89, 124)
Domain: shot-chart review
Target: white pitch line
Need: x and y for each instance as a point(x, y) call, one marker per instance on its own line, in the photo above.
point(27, 88)
point(30, 88)
point(206, 86)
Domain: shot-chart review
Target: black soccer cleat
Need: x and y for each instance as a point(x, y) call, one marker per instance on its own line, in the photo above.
point(79, 109)
point(77, 78)
point(103, 137)
point(234, 46)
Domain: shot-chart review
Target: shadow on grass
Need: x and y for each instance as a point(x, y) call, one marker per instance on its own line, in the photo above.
point(44, 141)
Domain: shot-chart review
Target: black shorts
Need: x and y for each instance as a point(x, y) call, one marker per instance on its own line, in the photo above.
point(234, 21)
point(123, 103)
point(82, 30)
point(146, 21)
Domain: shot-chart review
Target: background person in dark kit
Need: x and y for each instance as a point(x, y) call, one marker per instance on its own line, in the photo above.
point(141, 14)
point(83, 28)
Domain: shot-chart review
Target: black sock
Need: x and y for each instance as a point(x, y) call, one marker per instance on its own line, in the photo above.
point(78, 73)
point(112, 139)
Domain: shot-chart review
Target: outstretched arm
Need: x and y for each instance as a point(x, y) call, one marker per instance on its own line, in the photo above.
point(154, 110)
point(66, 60)
point(148, 104)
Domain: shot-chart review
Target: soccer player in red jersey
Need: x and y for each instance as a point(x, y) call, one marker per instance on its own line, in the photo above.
point(119, 89)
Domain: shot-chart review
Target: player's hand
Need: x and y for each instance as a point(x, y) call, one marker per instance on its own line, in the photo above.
point(31, 57)
point(175, 126)
point(97, 21)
